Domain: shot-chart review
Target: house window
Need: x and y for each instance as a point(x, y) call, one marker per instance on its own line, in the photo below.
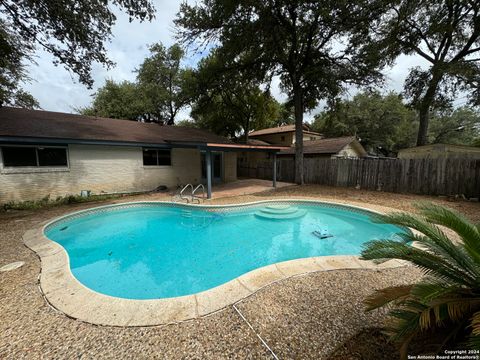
point(33, 156)
point(156, 157)
point(282, 138)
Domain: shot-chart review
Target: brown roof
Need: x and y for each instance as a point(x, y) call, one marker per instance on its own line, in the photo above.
point(323, 146)
point(257, 142)
point(280, 129)
point(24, 123)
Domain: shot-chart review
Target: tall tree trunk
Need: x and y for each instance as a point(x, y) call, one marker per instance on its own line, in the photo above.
point(246, 129)
point(424, 108)
point(423, 117)
point(298, 104)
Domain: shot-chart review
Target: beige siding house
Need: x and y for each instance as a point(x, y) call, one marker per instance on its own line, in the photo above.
point(314, 145)
point(283, 135)
point(341, 147)
point(56, 154)
point(280, 136)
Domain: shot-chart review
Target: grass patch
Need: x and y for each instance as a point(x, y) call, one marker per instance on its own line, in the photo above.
point(47, 202)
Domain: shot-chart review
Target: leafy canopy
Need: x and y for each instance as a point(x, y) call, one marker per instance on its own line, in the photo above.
point(459, 126)
point(446, 34)
point(163, 81)
point(74, 32)
point(230, 103)
point(12, 70)
point(310, 45)
point(122, 100)
point(383, 123)
point(158, 94)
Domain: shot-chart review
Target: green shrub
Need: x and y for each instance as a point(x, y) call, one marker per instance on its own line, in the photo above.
point(46, 202)
point(445, 304)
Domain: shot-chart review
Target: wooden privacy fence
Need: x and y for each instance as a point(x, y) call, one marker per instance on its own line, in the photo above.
point(416, 176)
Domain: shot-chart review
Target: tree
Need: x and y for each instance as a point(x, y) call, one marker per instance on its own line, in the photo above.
point(460, 126)
point(446, 34)
point(158, 94)
point(230, 103)
point(310, 45)
point(162, 79)
point(383, 123)
point(186, 123)
point(73, 31)
point(121, 100)
point(445, 303)
point(286, 114)
point(13, 53)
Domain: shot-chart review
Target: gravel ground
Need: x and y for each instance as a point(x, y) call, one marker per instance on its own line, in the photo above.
point(317, 316)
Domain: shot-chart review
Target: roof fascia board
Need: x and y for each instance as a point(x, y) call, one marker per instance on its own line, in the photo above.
point(33, 140)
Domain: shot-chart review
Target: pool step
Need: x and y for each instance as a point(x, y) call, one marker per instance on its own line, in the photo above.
point(280, 212)
point(186, 213)
point(279, 209)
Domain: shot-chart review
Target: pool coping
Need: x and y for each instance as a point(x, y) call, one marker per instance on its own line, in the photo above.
point(65, 293)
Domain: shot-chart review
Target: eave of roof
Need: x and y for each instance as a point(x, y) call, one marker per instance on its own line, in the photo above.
point(247, 147)
point(170, 144)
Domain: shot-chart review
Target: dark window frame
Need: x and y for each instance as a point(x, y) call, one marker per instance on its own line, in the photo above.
point(157, 150)
point(37, 157)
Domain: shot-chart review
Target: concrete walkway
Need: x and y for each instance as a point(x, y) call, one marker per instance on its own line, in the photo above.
point(245, 187)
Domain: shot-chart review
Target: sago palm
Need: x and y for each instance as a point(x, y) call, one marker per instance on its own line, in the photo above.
point(446, 302)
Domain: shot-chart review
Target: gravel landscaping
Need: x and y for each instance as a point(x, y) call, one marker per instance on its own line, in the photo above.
point(317, 316)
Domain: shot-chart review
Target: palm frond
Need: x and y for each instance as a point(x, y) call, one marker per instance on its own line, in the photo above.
point(448, 297)
point(468, 232)
point(456, 256)
point(431, 288)
point(474, 340)
point(475, 324)
point(434, 238)
point(391, 294)
point(430, 263)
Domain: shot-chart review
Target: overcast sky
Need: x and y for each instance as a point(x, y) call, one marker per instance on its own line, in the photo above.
point(58, 90)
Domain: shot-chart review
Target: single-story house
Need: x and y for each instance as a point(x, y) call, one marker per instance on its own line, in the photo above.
point(55, 154)
point(440, 151)
point(341, 147)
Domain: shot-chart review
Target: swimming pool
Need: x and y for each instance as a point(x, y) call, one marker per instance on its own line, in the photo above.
point(160, 250)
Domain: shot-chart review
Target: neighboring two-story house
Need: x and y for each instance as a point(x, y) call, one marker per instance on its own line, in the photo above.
point(283, 135)
point(314, 145)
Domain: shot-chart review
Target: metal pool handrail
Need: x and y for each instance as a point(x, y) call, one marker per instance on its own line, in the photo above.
point(199, 186)
point(185, 188)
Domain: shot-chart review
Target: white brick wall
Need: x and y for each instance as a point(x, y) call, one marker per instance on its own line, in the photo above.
point(100, 169)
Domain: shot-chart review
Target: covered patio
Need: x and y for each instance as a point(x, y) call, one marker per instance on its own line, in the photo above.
point(260, 185)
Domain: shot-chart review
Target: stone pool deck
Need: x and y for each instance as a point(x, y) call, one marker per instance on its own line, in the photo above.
point(306, 316)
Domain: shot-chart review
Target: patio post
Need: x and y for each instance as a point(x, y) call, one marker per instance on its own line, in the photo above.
point(274, 170)
point(208, 160)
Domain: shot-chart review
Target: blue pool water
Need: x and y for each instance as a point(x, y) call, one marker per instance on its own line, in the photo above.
point(149, 252)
